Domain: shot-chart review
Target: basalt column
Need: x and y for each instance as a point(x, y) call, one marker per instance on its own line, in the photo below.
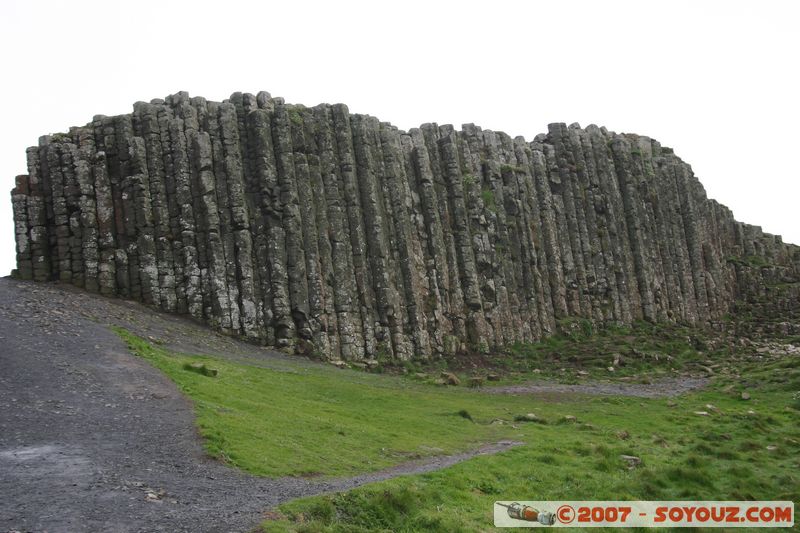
point(333, 234)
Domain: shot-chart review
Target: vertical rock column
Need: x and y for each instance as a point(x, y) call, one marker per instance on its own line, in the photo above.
point(86, 217)
point(22, 227)
point(477, 329)
point(295, 280)
point(37, 234)
point(317, 231)
point(345, 292)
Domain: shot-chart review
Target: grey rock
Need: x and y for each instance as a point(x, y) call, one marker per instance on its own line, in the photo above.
point(335, 235)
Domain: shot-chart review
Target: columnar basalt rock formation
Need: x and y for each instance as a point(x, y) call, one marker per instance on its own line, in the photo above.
point(315, 230)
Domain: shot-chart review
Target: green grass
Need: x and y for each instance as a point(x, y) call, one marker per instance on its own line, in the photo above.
point(469, 181)
point(295, 113)
point(320, 420)
point(487, 195)
point(684, 456)
point(580, 351)
point(751, 261)
point(640, 352)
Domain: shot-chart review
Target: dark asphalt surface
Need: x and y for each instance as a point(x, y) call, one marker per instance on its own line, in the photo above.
point(94, 439)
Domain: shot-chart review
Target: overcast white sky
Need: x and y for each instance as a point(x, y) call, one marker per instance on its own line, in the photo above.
point(716, 81)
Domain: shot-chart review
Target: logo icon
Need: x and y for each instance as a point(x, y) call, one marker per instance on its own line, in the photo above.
point(527, 513)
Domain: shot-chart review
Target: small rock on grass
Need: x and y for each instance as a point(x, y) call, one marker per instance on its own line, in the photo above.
point(632, 461)
point(202, 369)
point(529, 417)
point(450, 378)
point(623, 435)
point(745, 395)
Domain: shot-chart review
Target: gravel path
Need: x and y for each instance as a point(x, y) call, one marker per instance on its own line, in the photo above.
point(657, 389)
point(93, 438)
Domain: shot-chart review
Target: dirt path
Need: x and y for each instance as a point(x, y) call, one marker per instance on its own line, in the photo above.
point(657, 389)
point(93, 438)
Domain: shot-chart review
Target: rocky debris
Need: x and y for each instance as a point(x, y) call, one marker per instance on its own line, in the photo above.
point(152, 495)
point(450, 378)
point(623, 435)
point(332, 234)
point(745, 395)
point(631, 460)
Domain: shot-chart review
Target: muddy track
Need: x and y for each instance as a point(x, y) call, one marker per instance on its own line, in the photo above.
point(93, 438)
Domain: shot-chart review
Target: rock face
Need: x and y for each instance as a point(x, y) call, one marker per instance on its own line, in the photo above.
point(321, 232)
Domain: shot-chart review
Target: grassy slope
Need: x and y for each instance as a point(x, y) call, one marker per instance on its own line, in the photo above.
point(327, 421)
point(685, 456)
point(642, 351)
point(337, 422)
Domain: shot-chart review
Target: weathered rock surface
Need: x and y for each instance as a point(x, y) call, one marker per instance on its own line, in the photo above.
point(321, 232)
